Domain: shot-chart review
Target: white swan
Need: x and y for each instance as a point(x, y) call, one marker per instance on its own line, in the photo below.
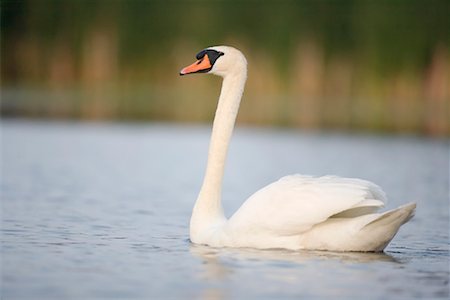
point(296, 212)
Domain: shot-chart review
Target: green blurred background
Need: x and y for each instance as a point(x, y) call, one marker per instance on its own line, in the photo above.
point(348, 65)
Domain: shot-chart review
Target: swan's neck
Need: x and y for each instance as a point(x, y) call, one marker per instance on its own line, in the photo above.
point(208, 211)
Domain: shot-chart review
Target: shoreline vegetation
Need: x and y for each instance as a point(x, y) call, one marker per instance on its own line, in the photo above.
point(356, 65)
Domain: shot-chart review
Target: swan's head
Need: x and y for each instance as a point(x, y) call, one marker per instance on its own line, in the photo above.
point(218, 60)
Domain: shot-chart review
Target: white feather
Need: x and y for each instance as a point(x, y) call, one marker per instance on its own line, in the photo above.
point(295, 203)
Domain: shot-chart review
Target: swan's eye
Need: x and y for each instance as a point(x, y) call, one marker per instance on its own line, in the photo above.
point(200, 60)
point(213, 55)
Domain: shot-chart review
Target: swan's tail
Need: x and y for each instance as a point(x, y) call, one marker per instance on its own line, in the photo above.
point(400, 216)
point(387, 224)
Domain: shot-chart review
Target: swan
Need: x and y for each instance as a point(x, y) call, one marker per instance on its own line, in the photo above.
point(296, 212)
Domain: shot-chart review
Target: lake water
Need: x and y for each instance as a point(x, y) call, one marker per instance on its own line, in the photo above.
point(97, 211)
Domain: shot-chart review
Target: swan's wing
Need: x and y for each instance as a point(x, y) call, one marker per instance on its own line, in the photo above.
point(295, 203)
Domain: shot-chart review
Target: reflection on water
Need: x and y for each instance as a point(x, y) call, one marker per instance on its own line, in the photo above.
point(102, 211)
point(212, 255)
point(220, 264)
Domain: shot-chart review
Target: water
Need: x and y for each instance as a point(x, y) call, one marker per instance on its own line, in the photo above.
point(96, 211)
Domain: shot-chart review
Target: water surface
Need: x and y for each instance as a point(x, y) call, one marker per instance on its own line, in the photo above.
point(95, 211)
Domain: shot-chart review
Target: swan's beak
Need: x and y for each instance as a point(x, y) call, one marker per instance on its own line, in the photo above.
point(202, 65)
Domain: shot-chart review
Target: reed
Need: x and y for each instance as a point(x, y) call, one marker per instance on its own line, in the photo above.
point(381, 66)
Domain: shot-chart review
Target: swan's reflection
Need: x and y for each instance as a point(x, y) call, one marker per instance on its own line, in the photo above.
point(220, 264)
point(212, 255)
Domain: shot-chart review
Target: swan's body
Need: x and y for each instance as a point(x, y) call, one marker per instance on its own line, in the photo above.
point(296, 212)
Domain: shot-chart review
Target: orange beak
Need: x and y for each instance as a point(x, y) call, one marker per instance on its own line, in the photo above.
point(200, 66)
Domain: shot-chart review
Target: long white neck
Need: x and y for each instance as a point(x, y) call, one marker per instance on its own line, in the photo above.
point(208, 211)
